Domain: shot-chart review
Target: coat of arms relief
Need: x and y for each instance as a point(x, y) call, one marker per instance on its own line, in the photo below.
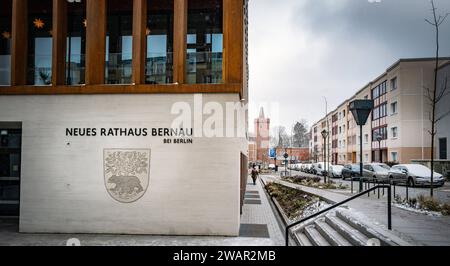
point(126, 173)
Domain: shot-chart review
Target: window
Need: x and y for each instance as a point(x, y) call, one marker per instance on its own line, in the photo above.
point(204, 41)
point(366, 157)
point(366, 138)
point(39, 69)
point(76, 42)
point(394, 84)
point(119, 42)
point(159, 63)
point(379, 112)
point(443, 149)
point(394, 108)
point(379, 132)
point(394, 131)
point(394, 156)
point(5, 42)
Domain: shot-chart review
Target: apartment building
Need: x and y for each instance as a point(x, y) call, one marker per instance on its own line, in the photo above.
point(397, 130)
point(104, 106)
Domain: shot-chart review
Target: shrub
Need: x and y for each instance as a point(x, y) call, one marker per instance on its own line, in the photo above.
point(429, 204)
point(446, 209)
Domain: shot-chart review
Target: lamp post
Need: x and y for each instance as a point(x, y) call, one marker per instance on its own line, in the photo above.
point(325, 134)
point(379, 138)
point(361, 110)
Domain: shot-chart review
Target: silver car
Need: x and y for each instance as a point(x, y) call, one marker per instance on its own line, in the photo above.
point(415, 175)
point(377, 171)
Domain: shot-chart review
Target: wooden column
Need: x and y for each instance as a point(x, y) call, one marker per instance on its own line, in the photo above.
point(19, 44)
point(233, 41)
point(95, 41)
point(179, 41)
point(59, 31)
point(139, 40)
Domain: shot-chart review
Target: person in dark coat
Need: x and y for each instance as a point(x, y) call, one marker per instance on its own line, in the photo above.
point(255, 175)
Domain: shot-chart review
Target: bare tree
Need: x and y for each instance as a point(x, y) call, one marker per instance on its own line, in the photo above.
point(434, 96)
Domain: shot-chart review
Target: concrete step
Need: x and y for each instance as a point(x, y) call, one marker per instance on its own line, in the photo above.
point(351, 234)
point(315, 237)
point(302, 239)
point(369, 229)
point(331, 235)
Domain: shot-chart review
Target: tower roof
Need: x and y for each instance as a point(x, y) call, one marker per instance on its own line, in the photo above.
point(261, 113)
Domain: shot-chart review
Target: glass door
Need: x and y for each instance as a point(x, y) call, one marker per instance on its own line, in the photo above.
point(10, 157)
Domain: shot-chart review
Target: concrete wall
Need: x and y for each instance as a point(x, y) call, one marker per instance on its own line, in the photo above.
point(193, 188)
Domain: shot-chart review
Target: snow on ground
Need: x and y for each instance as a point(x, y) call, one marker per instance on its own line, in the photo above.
point(407, 207)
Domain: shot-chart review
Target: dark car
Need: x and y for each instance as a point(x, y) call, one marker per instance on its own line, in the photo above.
point(351, 171)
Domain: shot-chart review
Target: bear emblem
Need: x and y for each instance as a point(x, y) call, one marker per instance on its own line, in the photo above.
point(126, 174)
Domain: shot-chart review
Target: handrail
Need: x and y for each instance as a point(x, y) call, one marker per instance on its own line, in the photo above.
point(389, 207)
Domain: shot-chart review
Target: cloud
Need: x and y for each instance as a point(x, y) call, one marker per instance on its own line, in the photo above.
point(303, 50)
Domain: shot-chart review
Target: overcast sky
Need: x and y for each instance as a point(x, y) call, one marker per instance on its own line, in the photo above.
point(302, 50)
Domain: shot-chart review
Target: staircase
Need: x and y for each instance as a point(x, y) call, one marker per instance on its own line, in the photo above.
point(344, 228)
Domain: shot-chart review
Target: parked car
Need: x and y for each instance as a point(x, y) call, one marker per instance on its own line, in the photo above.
point(306, 168)
point(336, 171)
point(318, 169)
point(272, 166)
point(415, 175)
point(378, 171)
point(351, 171)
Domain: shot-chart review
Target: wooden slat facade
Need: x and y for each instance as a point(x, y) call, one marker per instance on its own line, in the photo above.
point(233, 52)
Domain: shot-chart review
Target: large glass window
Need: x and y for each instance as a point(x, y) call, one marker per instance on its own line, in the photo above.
point(119, 42)
point(205, 41)
point(5, 42)
point(76, 42)
point(159, 63)
point(39, 42)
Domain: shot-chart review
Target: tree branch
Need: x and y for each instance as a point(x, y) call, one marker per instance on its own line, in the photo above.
point(443, 116)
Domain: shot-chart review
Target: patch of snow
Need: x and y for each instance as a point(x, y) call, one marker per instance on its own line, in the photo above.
point(315, 208)
point(420, 211)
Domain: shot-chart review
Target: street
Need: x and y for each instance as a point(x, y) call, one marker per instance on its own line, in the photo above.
point(442, 194)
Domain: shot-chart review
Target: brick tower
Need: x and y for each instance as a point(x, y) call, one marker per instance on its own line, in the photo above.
point(262, 131)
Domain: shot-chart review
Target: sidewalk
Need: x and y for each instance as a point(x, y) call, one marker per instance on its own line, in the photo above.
point(416, 228)
point(258, 211)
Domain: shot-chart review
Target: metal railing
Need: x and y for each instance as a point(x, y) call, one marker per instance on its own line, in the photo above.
point(389, 209)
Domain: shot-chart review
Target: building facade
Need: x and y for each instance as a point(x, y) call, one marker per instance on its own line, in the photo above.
point(397, 129)
point(112, 115)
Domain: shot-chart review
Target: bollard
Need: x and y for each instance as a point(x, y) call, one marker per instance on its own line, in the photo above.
point(407, 191)
point(352, 185)
point(378, 189)
point(389, 208)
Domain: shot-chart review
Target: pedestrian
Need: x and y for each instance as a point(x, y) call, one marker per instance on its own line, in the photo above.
point(255, 175)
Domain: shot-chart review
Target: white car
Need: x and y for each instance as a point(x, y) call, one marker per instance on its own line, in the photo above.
point(415, 175)
point(318, 168)
point(336, 171)
point(272, 166)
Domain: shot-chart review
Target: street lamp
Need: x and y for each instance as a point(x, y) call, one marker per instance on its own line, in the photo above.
point(361, 110)
point(379, 138)
point(325, 134)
